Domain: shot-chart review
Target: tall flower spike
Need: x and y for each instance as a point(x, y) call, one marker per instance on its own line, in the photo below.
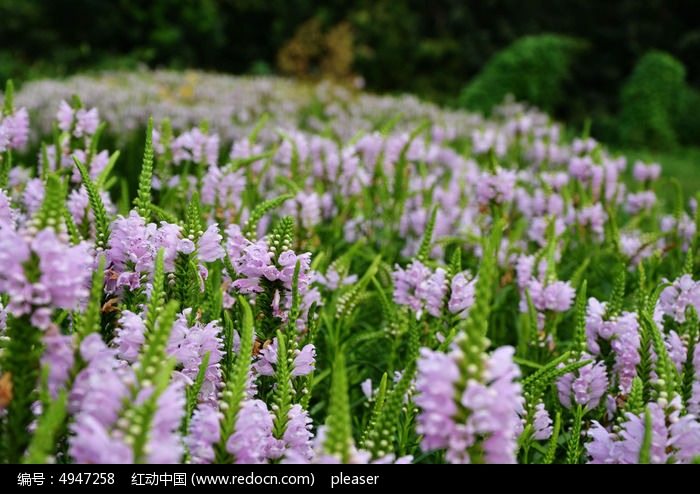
point(143, 197)
point(98, 208)
point(236, 383)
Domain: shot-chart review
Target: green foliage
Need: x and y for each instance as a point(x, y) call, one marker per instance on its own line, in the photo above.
point(251, 225)
point(687, 119)
point(339, 436)
point(98, 207)
point(649, 102)
point(533, 69)
point(236, 381)
point(143, 198)
point(43, 443)
point(20, 359)
point(51, 212)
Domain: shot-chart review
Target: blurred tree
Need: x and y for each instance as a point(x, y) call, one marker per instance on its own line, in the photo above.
point(532, 69)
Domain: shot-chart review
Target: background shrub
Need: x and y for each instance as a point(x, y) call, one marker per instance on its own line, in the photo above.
point(533, 69)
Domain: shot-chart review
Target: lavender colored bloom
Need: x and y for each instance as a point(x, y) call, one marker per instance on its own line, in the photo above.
point(587, 385)
point(556, 296)
point(131, 335)
point(694, 400)
point(499, 188)
point(252, 441)
point(33, 195)
point(7, 214)
point(203, 434)
point(64, 274)
point(304, 361)
point(65, 270)
point(209, 247)
point(542, 423)
point(495, 406)
point(641, 201)
point(437, 376)
point(96, 400)
point(189, 345)
point(164, 444)
point(91, 443)
point(676, 349)
point(594, 217)
point(407, 283)
point(65, 116)
point(684, 438)
point(632, 436)
point(602, 448)
point(58, 355)
point(433, 291)
point(86, 122)
point(16, 129)
point(643, 173)
point(297, 437)
point(462, 295)
point(674, 299)
point(267, 357)
point(235, 241)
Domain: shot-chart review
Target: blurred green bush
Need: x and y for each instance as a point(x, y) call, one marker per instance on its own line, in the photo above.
point(650, 102)
point(532, 69)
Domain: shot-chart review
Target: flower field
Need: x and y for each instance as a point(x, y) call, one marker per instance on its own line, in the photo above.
point(287, 273)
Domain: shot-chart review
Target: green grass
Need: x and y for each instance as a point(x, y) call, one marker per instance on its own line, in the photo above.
point(682, 164)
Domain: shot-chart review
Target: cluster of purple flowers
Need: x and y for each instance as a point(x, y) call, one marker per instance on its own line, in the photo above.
point(482, 419)
point(43, 272)
point(421, 289)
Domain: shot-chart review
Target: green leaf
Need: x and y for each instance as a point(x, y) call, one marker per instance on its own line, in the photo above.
point(143, 196)
point(98, 207)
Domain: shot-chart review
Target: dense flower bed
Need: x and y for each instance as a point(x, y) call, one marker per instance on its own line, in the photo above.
point(309, 274)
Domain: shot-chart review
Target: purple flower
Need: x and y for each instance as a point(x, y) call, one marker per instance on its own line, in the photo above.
point(209, 247)
point(92, 443)
point(594, 217)
point(15, 128)
point(96, 400)
point(59, 356)
point(684, 438)
point(407, 283)
point(130, 336)
point(676, 349)
point(643, 173)
point(164, 443)
point(556, 296)
point(65, 116)
point(433, 291)
point(33, 195)
point(297, 437)
point(7, 214)
point(235, 241)
point(86, 122)
point(674, 299)
point(499, 188)
point(189, 345)
point(65, 270)
point(203, 434)
point(252, 441)
point(640, 201)
point(267, 357)
point(632, 436)
point(462, 295)
point(542, 423)
point(588, 384)
point(304, 361)
point(437, 375)
point(694, 401)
